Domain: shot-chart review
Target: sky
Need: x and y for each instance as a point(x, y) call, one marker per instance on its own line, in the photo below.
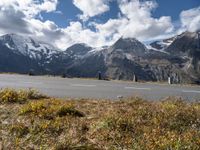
point(98, 22)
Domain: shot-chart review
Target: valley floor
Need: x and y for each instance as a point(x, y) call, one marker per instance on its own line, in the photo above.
point(30, 120)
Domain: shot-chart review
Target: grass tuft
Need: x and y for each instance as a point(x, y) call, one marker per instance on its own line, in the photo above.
point(66, 111)
point(50, 109)
point(19, 129)
point(20, 96)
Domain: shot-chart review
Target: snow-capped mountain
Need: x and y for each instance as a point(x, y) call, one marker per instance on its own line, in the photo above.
point(178, 57)
point(28, 46)
point(24, 54)
point(128, 57)
point(161, 45)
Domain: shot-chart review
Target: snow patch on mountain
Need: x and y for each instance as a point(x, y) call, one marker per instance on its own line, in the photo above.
point(8, 46)
point(160, 46)
point(98, 49)
point(27, 46)
point(149, 47)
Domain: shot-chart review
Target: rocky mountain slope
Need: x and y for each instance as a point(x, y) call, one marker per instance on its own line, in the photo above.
point(24, 54)
point(178, 57)
point(27, 46)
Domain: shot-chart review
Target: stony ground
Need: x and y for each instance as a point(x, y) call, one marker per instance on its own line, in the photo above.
point(30, 120)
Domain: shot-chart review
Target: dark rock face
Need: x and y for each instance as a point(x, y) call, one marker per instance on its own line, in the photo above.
point(78, 49)
point(89, 66)
point(186, 43)
point(12, 62)
point(122, 60)
point(178, 57)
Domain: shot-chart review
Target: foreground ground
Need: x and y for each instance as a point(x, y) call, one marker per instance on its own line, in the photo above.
point(29, 120)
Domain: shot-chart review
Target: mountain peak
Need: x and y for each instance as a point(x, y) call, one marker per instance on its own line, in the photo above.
point(127, 40)
point(129, 45)
point(78, 49)
point(26, 46)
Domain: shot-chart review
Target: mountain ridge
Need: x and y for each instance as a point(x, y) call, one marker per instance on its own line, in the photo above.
point(178, 57)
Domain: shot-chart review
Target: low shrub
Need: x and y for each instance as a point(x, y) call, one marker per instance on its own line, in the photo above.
point(50, 109)
point(10, 96)
point(66, 110)
point(19, 96)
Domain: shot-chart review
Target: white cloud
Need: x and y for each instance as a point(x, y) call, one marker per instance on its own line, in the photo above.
point(30, 8)
point(91, 8)
point(12, 20)
point(134, 9)
point(19, 16)
point(190, 19)
point(48, 5)
point(136, 21)
point(75, 33)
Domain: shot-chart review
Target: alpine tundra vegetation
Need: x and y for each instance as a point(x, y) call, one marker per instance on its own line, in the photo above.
point(30, 120)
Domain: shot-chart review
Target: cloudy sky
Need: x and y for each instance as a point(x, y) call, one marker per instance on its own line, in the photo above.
point(98, 22)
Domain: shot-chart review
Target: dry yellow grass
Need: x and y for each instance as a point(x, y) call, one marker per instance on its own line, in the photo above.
point(133, 123)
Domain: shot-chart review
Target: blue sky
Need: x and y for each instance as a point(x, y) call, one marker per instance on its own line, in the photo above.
point(173, 8)
point(69, 11)
point(98, 22)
